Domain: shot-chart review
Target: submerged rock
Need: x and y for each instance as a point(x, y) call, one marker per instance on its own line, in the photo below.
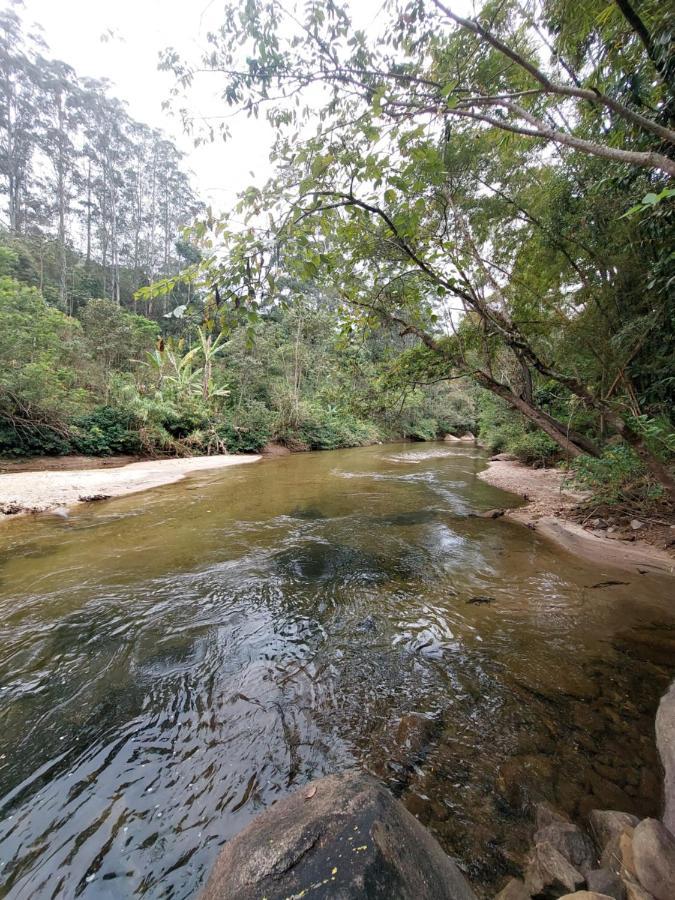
point(367, 624)
point(345, 837)
point(491, 514)
point(604, 881)
point(549, 874)
point(654, 859)
point(571, 842)
point(514, 890)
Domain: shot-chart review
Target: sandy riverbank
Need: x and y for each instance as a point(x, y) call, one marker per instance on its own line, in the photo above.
point(40, 491)
point(550, 504)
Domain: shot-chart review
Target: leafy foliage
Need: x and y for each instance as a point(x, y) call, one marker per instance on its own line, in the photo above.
point(105, 431)
point(616, 476)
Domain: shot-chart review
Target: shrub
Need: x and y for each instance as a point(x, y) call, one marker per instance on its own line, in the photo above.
point(33, 440)
point(616, 476)
point(422, 429)
point(107, 430)
point(501, 429)
point(317, 427)
point(534, 448)
point(248, 429)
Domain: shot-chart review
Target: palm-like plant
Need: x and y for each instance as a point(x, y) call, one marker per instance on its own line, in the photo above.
point(180, 371)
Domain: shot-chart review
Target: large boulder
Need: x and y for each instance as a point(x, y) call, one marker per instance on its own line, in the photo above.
point(654, 859)
point(343, 837)
point(613, 833)
point(545, 815)
point(618, 855)
point(608, 824)
point(665, 741)
point(635, 891)
point(585, 895)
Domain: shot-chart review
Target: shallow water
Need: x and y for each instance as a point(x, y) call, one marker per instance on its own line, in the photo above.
point(173, 662)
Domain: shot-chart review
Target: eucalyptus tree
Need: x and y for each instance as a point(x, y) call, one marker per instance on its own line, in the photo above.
point(82, 177)
point(383, 203)
point(60, 126)
point(18, 116)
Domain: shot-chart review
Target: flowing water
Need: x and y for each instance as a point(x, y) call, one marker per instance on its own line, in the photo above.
point(172, 663)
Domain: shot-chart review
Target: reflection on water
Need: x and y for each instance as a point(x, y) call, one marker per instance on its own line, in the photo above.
point(170, 664)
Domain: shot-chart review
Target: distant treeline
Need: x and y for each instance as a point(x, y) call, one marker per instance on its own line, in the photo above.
point(94, 201)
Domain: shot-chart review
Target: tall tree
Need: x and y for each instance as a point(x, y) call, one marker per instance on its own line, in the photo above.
point(383, 203)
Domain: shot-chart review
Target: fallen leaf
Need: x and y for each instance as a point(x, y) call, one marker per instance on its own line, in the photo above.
point(310, 793)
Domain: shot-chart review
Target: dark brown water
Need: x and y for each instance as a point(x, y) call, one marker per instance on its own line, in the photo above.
point(171, 663)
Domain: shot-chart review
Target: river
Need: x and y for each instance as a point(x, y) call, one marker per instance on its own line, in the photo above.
point(173, 662)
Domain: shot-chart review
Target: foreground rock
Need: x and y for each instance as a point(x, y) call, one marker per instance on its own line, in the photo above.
point(665, 742)
point(606, 882)
point(654, 859)
point(514, 890)
point(586, 895)
point(571, 842)
point(607, 826)
point(343, 837)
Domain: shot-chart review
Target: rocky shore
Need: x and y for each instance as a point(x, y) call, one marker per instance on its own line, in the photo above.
point(556, 512)
point(617, 856)
point(345, 836)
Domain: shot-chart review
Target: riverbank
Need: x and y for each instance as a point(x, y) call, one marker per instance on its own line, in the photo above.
point(57, 488)
point(552, 508)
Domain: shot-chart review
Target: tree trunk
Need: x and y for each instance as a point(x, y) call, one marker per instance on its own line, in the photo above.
point(549, 426)
point(206, 378)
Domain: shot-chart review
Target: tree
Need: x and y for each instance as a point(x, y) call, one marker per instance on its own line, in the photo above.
point(381, 203)
point(84, 179)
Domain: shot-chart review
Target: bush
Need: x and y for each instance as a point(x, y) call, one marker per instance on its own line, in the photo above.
point(616, 476)
point(534, 448)
point(106, 431)
point(422, 429)
point(35, 440)
point(322, 429)
point(502, 429)
point(247, 430)
point(181, 417)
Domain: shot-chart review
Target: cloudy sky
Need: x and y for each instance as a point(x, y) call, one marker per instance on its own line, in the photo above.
point(121, 41)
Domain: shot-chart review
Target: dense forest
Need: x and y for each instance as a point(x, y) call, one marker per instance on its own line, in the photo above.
point(95, 206)
point(469, 227)
point(498, 187)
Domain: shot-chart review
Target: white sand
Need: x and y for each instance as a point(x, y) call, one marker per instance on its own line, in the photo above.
point(549, 501)
point(39, 491)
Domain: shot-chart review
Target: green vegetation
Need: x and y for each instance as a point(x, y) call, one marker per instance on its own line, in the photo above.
point(615, 477)
point(473, 232)
point(498, 187)
point(108, 382)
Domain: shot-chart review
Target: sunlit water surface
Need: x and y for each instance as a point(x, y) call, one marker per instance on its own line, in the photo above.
point(171, 663)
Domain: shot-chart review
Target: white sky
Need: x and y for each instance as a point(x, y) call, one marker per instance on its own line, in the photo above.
point(141, 29)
